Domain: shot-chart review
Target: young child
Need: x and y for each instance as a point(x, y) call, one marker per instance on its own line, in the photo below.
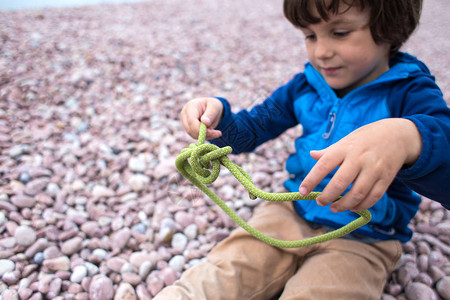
point(375, 129)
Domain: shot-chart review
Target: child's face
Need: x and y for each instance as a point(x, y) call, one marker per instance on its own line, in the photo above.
point(344, 52)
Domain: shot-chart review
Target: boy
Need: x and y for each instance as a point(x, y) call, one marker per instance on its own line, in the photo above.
point(383, 129)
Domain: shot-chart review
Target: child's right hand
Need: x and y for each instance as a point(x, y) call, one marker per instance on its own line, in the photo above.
point(206, 110)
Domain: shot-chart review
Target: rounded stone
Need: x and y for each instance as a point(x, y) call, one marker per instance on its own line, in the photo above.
point(443, 287)
point(78, 274)
point(25, 235)
point(179, 242)
point(101, 288)
point(177, 263)
point(6, 265)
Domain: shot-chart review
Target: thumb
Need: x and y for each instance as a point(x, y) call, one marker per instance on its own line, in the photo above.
point(317, 154)
point(209, 116)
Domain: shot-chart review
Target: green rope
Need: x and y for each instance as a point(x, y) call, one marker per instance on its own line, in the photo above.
point(204, 168)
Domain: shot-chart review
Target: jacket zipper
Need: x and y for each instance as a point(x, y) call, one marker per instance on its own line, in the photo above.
point(330, 125)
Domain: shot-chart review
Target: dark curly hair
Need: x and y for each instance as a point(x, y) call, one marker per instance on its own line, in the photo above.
point(391, 21)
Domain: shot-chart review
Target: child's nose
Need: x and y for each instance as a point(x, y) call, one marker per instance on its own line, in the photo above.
point(323, 49)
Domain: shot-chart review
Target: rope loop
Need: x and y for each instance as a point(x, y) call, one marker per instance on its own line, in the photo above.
point(200, 164)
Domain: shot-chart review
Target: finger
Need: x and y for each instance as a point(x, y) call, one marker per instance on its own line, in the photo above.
point(186, 122)
point(213, 134)
point(341, 180)
point(317, 154)
point(324, 166)
point(358, 193)
point(376, 193)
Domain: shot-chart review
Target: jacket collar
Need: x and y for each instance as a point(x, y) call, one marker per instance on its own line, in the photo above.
point(401, 66)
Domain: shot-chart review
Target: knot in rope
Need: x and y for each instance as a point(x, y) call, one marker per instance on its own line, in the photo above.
point(200, 164)
point(206, 157)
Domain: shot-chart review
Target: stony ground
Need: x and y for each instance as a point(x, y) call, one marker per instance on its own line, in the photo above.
point(90, 203)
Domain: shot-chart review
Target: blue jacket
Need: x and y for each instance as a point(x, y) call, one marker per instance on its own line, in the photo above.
point(406, 90)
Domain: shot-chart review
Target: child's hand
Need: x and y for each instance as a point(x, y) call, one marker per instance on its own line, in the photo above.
point(370, 158)
point(206, 110)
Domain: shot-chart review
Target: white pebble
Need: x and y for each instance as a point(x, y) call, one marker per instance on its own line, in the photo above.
point(179, 241)
point(177, 263)
point(145, 269)
point(191, 231)
point(2, 218)
point(100, 253)
point(91, 269)
point(137, 164)
point(128, 268)
point(78, 274)
point(25, 235)
point(138, 182)
point(6, 265)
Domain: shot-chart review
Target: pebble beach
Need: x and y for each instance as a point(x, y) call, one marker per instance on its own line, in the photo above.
point(91, 204)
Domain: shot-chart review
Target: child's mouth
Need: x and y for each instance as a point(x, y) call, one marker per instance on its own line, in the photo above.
point(330, 71)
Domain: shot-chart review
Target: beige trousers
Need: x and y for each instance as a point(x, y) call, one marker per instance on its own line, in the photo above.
point(242, 267)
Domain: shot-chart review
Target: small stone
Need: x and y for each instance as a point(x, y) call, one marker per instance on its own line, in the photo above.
point(35, 186)
point(443, 287)
point(138, 182)
point(38, 258)
point(24, 177)
point(8, 242)
point(11, 278)
point(61, 263)
point(179, 242)
point(145, 269)
point(10, 294)
point(101, 253)
point(2, 218)
point(125, 292)
point(101, 191)
point(154, 284)
point(191, 231)
point(54, 288)
point(52, 189)
point(142, 292)
point(137, 164)
point(419, 291)
point(79, 272)
point(23, 201)
point(25, 293)
point(92, 229)
point(177, 263)
point(38, 246)
point(436, 273)
point(387, 297)
point(91, 269)
point(141, 228)
point(169, 276)
point(72, 246)
point(131, 278)
point(115, 263)
point(424, 278)
point(138, 258)
point(165, 168)
point(184, 219)
point(101, 288)
point(25, 235)
point(52, 252)
point(127, 267)
point(121, 238)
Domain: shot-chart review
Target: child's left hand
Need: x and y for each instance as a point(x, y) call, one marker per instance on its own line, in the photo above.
point(370, 158)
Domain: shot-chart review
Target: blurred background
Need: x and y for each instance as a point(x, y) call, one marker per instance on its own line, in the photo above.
point(91, 205)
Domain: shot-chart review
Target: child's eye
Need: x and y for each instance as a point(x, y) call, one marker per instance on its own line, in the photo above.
point(310, 36)
point(341, 34)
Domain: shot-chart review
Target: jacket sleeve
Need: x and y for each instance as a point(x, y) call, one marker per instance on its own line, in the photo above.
point(246, 130)
point(424, 105)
